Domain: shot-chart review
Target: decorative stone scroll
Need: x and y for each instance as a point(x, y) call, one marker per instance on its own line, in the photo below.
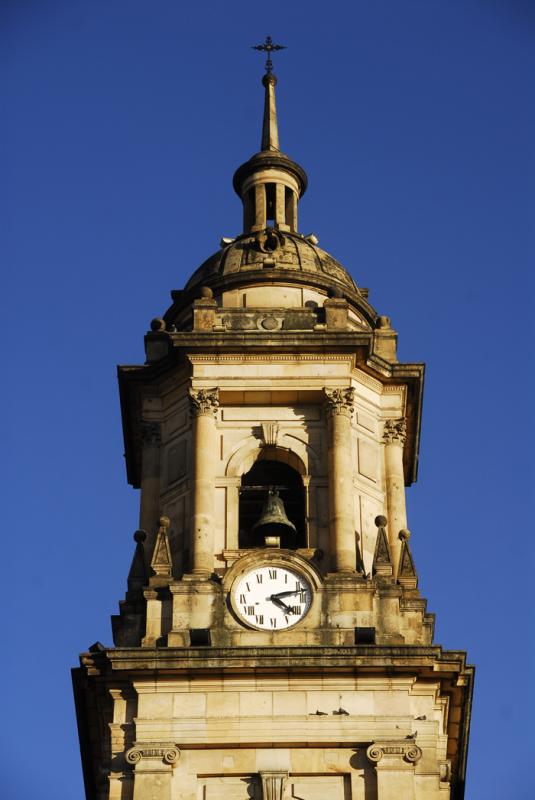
point(273, 784)
point(340, 401)
point(168, 753)
point(407, 751)
point(204, 401)
point(151, 434)
point(395, 431)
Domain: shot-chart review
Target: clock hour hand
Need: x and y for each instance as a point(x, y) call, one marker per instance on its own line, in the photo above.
point(275, 599)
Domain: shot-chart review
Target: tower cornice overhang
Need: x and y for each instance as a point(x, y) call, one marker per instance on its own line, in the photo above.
point(134, 380)
point(109, 668)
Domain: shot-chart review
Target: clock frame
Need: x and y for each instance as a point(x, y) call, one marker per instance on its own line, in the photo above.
point(271, 596)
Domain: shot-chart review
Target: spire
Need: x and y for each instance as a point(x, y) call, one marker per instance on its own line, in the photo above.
point(270, 184)
point(270, 126)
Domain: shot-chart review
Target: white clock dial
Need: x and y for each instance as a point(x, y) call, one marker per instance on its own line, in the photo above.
point(271, 598)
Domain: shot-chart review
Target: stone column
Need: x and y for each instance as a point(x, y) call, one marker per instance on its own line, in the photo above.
point(394, 435)
point(150, 479)
point(153, 769)
point(204, 405)
point(394, 765)
point(280, 206)
point(260, 207)
point(340, 404)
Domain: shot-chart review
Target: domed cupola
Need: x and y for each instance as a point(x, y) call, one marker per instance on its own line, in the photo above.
point(270, 264)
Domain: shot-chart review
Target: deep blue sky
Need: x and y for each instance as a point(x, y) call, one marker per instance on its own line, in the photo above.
point(123, 123)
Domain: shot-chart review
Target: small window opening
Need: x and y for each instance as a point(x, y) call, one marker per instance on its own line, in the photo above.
point(364, 635)
point(200, 637)
point(255, 487)
point(270, 201)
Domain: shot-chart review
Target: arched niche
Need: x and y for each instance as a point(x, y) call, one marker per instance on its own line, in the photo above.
point(271, 473)
point(299, 455)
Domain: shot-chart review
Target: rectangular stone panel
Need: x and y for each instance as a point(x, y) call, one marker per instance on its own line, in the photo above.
point(230, 787)
point(177, 457)
point(367, 422)
point(367, 459)
point(247, 414)
point(319, 787)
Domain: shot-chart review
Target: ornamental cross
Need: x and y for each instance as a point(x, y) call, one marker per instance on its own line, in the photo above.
point(268, 48)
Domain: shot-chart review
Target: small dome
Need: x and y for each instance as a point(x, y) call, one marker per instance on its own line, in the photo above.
point(286, 255)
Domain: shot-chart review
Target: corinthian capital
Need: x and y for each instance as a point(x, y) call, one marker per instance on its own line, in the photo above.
point(395, 431)
point(340, 401)
point(204, 401)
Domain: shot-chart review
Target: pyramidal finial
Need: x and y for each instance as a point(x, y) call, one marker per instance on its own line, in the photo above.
point(382, 560)
point(407, 576)
point(161, 559)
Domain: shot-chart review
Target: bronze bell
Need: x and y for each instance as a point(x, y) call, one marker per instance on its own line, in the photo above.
point(273, 520)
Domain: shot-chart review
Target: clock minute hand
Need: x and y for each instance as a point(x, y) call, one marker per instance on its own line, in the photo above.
point(285, 594)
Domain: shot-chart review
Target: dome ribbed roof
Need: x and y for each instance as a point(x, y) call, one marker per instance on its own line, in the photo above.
point(276, 250)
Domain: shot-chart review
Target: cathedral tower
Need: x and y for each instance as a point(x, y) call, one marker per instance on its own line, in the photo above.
point(272, 642)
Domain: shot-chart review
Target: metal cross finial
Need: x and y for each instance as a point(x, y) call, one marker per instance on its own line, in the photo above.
point(268, 48)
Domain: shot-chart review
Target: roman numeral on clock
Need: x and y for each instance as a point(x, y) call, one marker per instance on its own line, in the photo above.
point(272, 573)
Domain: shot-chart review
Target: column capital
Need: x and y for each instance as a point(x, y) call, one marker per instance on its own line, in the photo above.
point(340, 401)
point(151, 435)
point(167, 753)
point(395, 431)
point(204, 401)
point(391, 753)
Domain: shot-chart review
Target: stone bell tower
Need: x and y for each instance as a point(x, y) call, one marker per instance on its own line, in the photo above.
point(272, 642)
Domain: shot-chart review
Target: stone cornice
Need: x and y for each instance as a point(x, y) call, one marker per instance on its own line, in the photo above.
point(355, 657)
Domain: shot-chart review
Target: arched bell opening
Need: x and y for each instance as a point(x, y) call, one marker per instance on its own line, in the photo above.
point(272, 504)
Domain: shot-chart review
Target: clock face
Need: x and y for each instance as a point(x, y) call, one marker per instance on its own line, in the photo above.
point(271, 598)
